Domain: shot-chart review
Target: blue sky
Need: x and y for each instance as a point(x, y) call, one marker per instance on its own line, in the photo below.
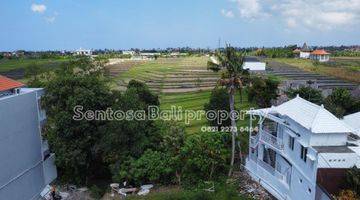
point(124, 24)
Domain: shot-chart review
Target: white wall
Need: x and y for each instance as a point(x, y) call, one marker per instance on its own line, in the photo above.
point(254, 66)
point(304, 54)
point(20, 148)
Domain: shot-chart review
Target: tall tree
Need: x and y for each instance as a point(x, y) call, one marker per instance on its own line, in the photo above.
point(263, 91)
point(233, 79)
point(74, 141)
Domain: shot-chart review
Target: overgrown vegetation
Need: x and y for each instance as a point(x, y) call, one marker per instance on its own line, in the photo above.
point(308, 93)
point(263, 91)
point(137, 151)
point(339, 102)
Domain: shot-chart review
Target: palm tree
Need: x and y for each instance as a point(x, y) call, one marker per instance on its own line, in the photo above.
point(233, 79)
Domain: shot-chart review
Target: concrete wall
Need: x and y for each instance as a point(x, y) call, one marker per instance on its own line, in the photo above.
point(254, 66)
point(21, 169)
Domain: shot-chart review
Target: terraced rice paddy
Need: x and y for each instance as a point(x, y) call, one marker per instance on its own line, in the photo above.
point(292, 72)
point(181, 82)
point(170, 75)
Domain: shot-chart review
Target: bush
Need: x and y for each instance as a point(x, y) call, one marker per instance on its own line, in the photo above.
point(205, 157)
point(97, 192)
point(151, 167)
point(263, 91)
point(308, 93)
point(340, 102)
point(219, 101)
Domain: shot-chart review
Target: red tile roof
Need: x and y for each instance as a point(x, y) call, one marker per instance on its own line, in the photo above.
point(8, 84)
point(320, 52)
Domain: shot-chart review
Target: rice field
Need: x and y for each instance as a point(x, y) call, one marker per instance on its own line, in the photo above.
point(180, 82)
point(342, 68)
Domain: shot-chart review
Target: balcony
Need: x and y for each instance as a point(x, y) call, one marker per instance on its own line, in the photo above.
point(49, 167)
point(273, 141)
point(254, 139)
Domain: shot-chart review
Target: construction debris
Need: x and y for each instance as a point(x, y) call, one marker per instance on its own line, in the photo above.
point(250, 188)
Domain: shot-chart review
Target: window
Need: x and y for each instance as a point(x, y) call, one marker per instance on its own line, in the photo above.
point(303, 153)
point(291, 142)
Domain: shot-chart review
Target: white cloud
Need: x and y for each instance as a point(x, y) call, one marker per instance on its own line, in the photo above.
point(308, 14)
point(291, 23)
point(323, 15)
point(227, 13)
point(250, 9)
point(50, 19)
point(39, 8)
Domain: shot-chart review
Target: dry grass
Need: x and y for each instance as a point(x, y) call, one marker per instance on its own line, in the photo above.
point(338, 68)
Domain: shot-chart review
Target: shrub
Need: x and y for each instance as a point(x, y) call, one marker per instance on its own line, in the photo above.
point(340, 102)
point(219, 101)
point(152, 167)
point(263, 91)
point(308, 93)
point(347, 195)
point(205, 157)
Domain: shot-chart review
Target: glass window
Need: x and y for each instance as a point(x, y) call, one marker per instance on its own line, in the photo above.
point(291, 142)
point(303, 153)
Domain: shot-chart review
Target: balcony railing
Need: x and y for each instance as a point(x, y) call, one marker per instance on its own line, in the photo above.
point(254, 140)
point(273, 141)
point(273, 171)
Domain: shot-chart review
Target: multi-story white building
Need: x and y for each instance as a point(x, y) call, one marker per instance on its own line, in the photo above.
point(300, 150)
point(27, 166)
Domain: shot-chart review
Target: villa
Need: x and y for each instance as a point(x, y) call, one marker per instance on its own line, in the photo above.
point(253, 64)
point(320, 55)
point(305, 51)
point(83, 52)
point(300, 150)
point(27, 165)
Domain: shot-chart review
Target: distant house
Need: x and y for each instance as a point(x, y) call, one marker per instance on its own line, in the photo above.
point(27, 166)
point(320, 55)
point(254, 64)
point(83, 52)
point(128, 53)
point(305, 51)
point(296, 53)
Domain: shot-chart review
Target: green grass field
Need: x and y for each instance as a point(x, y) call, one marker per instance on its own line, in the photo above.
point(13, 64)
point(343, 68)
point(160, 70)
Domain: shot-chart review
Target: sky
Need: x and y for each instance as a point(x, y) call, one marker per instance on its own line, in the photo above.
point(146, 24)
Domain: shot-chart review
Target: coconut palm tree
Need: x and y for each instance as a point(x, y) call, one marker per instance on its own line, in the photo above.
point(233, 79)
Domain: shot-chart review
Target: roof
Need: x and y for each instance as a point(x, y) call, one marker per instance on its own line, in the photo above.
point(305, 48)
point(352, 121)
point(296, 51)
point(251, 59)
point(309, 115)
point(8, 84)
point(333, 149)
point(320, 52)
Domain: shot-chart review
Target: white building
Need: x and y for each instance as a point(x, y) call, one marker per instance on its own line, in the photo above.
point(305, 51)
point(300, 150)
point(253, 64)
point(27, 166)
point(83, 52)
point(320, 55)
point(128, 53)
